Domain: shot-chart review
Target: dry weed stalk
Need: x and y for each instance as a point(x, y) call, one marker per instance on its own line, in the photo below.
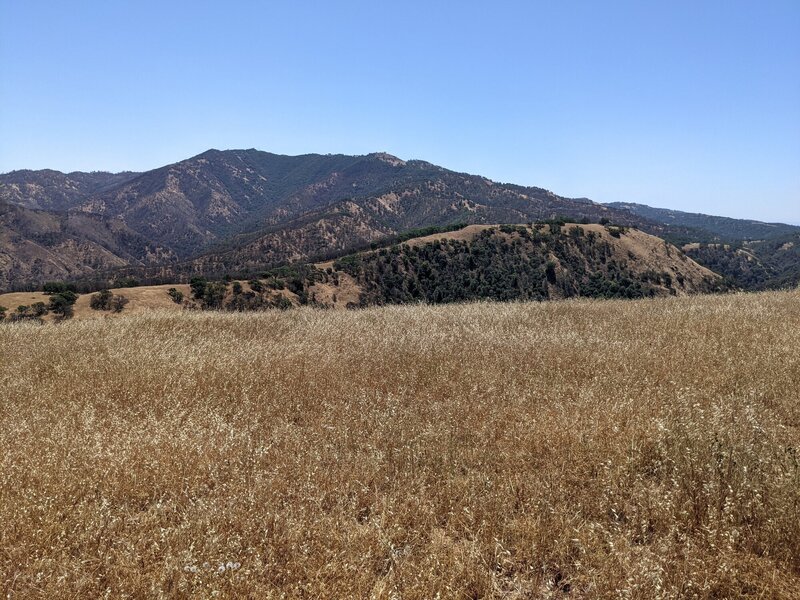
point(580, 449)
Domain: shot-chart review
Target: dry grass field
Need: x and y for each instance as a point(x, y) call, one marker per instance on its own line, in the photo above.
point(582, 449)
point(142, 299)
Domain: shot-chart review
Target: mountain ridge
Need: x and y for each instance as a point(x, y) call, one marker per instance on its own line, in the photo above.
point(725, 228)
point(239, 210)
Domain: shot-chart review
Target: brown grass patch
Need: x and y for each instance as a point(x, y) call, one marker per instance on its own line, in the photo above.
point(579, 449)
point(143, 299)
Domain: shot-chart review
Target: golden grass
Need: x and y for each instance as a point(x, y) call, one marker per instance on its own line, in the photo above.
point(142, 299)
point(579, 449)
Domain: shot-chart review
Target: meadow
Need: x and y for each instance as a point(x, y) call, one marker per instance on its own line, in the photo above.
point(576, 449)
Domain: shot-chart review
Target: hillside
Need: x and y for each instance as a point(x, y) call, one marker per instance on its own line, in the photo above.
point(37, 246)
point(55, 191)
point(751, 255)
point(586, 449)
point(242, 211)
point(142, 300)
point(772, 263)
point(241, 208)
point(710, 228)
point(509, 262)
point(476, 262)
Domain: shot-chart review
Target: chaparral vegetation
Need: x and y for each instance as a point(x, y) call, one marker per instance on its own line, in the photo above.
point(577, 449)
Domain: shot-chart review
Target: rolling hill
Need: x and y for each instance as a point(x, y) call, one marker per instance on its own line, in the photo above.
point(231, 209)
point(512, 262)
point(475, 262)
point(244, 211)
point(750, 254)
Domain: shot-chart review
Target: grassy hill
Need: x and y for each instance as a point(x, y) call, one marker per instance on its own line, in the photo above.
point(453, 264)
point(239, 209)
point(141, 300)
point(750, 254)
point(587, 449)
point(518, 262)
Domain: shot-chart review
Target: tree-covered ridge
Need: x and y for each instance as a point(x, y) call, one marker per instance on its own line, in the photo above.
point(765, 264)
point(538, 262)
point(240, 212)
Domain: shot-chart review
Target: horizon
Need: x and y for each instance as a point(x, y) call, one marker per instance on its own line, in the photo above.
point(687, 107)
point(368, 154)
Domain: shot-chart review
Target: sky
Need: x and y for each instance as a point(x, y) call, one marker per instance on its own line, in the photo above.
point(690, 105)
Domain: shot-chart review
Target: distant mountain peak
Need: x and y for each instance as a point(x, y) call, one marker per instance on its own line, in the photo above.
point(388, 158)
point(225, 211)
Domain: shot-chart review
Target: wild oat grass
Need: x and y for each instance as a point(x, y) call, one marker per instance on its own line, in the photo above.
point(581, 449)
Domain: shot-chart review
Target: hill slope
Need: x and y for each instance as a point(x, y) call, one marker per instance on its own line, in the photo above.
point(228, 206)
point(476, 262)
point(510, 262)
point(36, 246)
point(724, 229)
point(762, 264)
point(751, 254)
point(239, 211)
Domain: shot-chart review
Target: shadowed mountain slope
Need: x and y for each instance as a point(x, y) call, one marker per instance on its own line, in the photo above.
point(37, 246)
point(245, 210)
point(723, 229)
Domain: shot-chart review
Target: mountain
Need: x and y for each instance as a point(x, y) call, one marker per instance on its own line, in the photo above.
point(196, 203)
point(243, 209)
point(38, 245)
point(193, 203)
point(53, 190)
point(721, 229)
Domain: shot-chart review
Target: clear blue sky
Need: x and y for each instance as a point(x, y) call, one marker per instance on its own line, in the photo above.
point(690, 105)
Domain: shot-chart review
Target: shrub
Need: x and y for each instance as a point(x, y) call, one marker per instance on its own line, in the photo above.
point(101, 300)
point(575, 232)
point(198, 286)
point(106, 300)
point(32, 313)
point(38, 309)
point(615, 230)
point(283, 303)
point(117, 303)
point(125, 282)
point(55, 287)
point(176, 295)
point(214, 294)
point(550, 271)
point(61, 304)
